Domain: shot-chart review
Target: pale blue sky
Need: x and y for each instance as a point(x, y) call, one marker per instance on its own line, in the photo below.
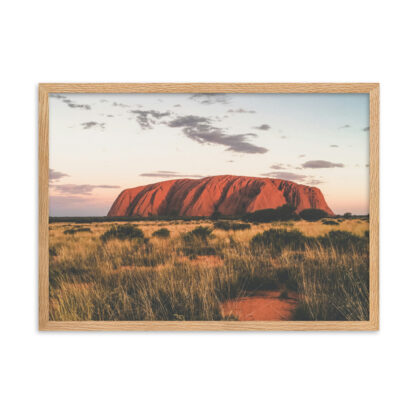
point(103, 143)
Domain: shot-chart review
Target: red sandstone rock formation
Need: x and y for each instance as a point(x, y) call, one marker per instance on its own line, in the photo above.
point(227, 195)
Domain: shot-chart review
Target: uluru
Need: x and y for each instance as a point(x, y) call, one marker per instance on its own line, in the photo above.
point(226, 195)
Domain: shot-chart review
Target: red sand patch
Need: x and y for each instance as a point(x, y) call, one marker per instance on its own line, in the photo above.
point(261, 306)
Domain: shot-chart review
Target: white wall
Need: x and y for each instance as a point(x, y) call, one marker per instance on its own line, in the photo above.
point(193, 373)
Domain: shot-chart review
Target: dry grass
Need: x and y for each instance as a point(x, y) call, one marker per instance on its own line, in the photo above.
point(176, 279)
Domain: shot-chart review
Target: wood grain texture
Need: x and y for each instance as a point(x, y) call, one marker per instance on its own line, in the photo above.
point(210, 88)
point(43, 158)
point(374, 205)
point(44, 324)
point(208, 326)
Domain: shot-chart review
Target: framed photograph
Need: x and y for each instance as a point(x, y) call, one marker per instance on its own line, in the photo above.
point(208, 207)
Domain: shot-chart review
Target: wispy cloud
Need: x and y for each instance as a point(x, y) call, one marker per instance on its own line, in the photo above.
point(288, 176)
point(333, 145)
point(55, 175)
point(201, 130)
point(91, 124)
point(58, 96)
point(262, 127)
point(241, 111)
point(321, 164)
point(147, 119)
point(210, 98)
point(280, 171)
point(69, 102)
point(314, 182)
point(116, 104)
point(72, 104)
point(295, 177)
point(278, 166)
point(72, 189)
point(168, 174)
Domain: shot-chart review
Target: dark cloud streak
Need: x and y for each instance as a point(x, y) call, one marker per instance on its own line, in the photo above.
point(147, 119)
point(241, 111)
point(90, 124)
point(210, 98)
point(321, 164)
point(72, 189)
point(262, 127)
point(55, 175)
point(168, 174)
point(201, 130)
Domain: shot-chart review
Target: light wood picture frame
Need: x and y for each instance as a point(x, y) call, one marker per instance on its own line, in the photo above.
point(372, 89)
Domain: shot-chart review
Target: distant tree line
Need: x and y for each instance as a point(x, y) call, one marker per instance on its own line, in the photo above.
point(283, 213)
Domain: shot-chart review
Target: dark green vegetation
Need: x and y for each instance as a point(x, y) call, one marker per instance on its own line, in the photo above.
point(123, 232)
point(231, 226)
point(161, 233)
point(77, 230)
point(198, 234)
point(278, 239)
point(283, 213)
point(313, 214)
point(330, 222)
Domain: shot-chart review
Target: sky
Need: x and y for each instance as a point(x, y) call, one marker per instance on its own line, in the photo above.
point(100, 144)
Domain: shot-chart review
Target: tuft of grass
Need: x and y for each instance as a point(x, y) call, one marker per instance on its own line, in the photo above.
point(343, 240)
point(123, 232)
point(279, 239)
point(199, 233)
point(161, 233)
point(53, 251)
point(333, 285)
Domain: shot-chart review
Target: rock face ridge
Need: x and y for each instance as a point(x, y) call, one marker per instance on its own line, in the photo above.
point(226, 194)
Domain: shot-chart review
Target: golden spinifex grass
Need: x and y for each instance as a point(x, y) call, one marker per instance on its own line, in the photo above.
point(182, 276)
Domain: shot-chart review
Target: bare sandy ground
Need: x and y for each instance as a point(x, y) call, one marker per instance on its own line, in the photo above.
point(261, 306)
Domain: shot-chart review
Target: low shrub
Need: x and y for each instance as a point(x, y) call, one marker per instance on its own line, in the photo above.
point(53, 251)
point(343, 240)
point(123, 232)
point(77, 230)
point(278, 239)
point(199, 233)
point(193, 252)
point(161, 233)
point(283, 213)
point(231, 226)
point(330, 222)
point(313, 214)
